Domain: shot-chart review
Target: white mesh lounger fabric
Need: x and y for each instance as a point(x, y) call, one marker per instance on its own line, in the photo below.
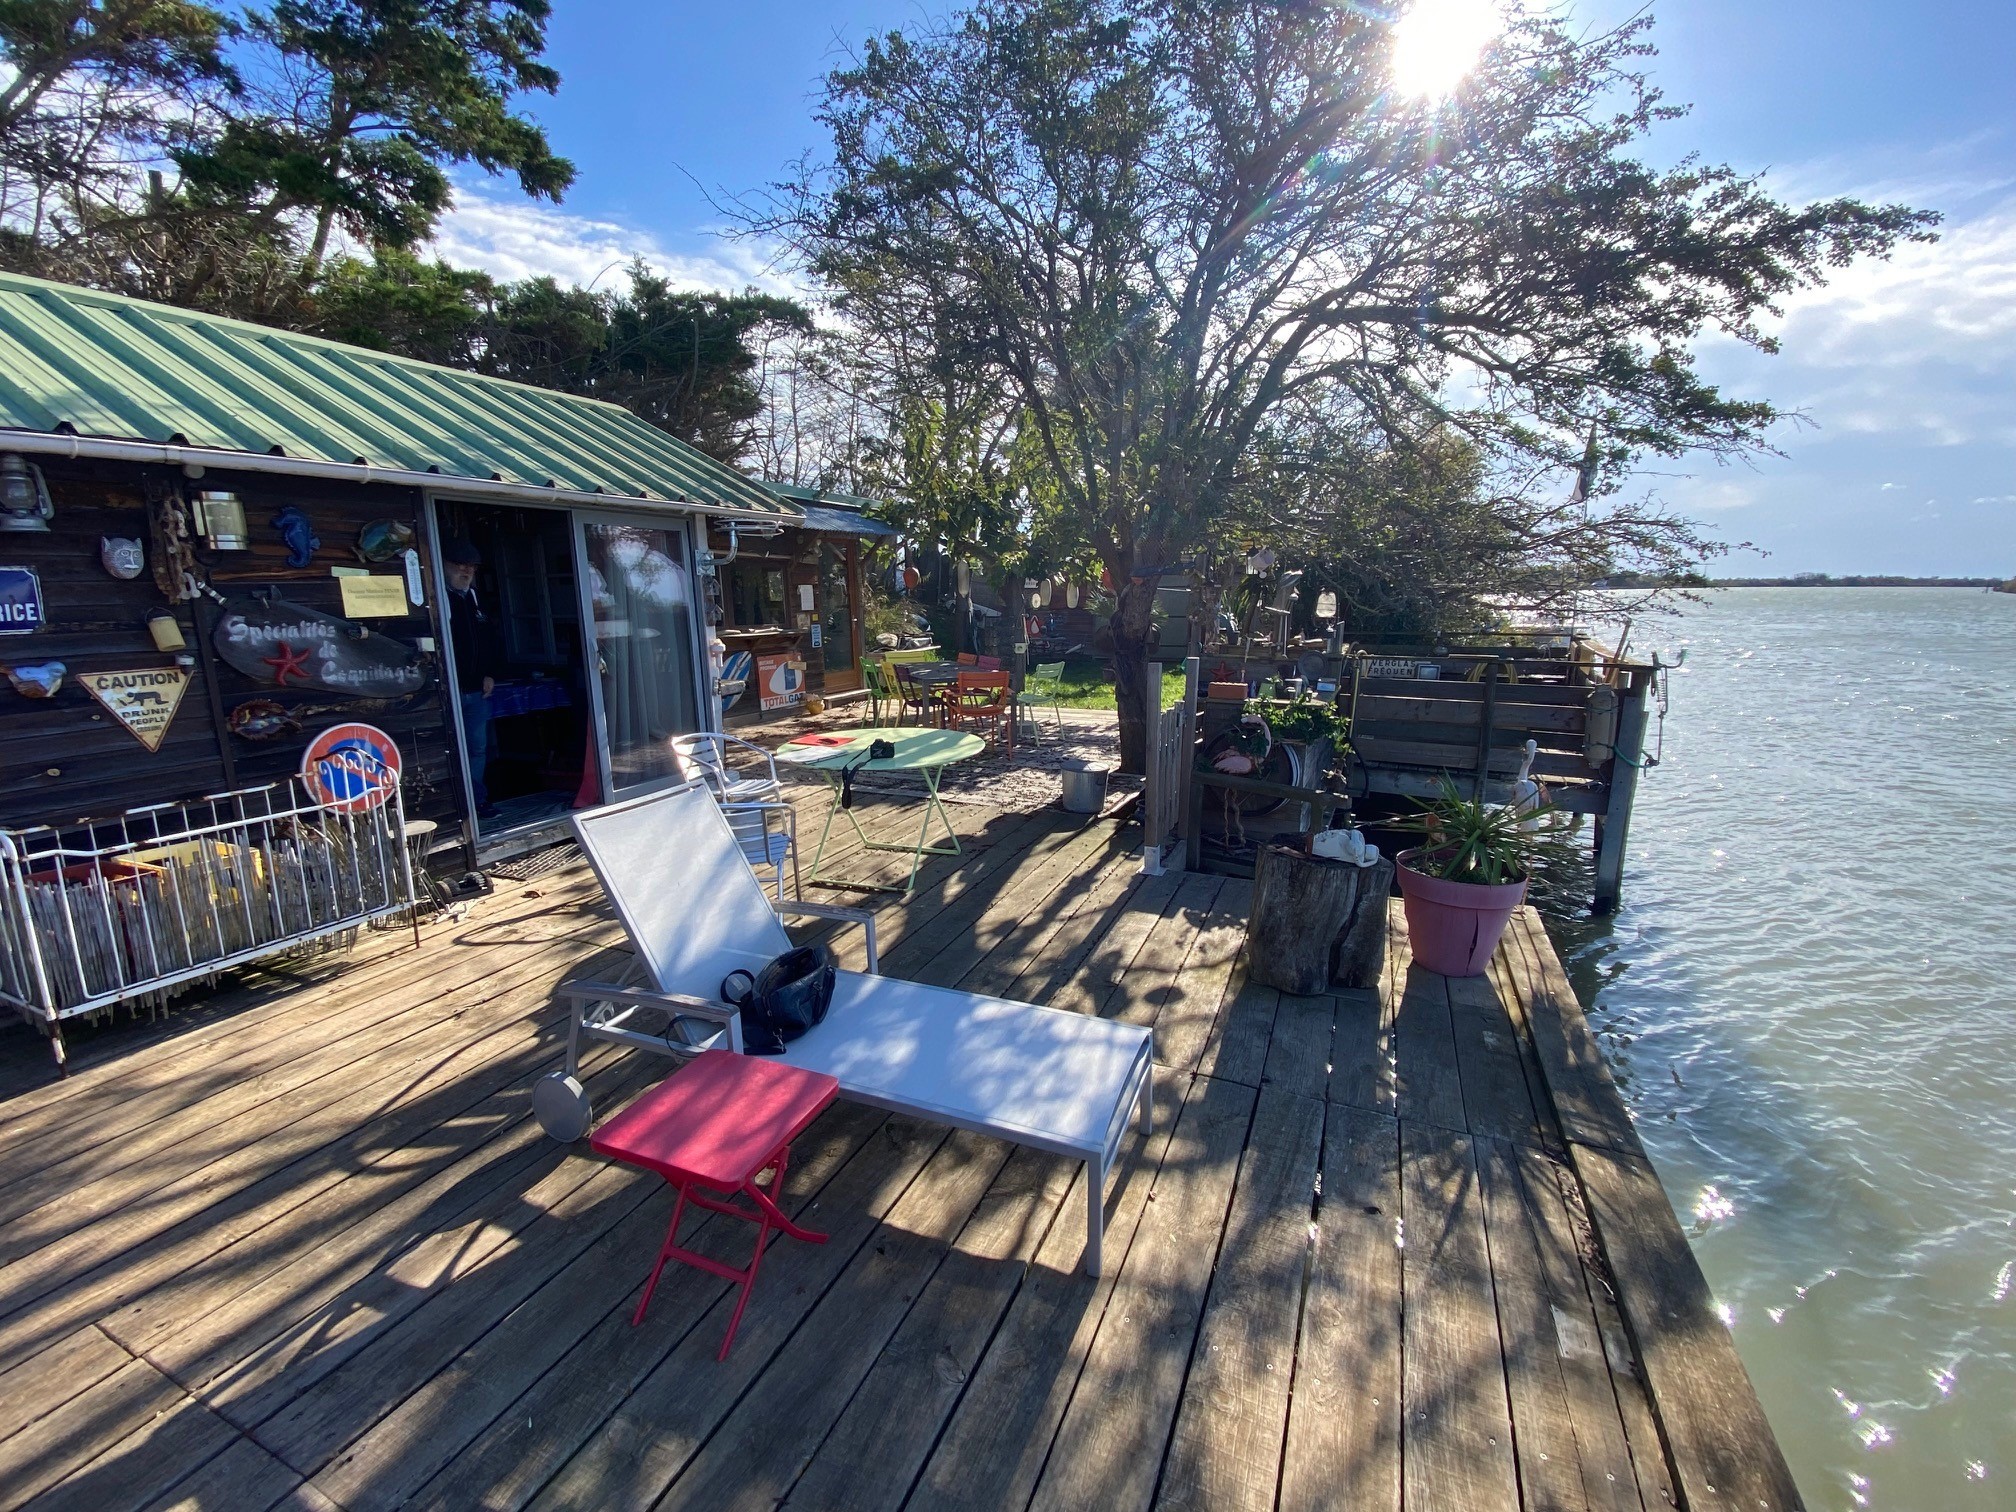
point(1056, 1081)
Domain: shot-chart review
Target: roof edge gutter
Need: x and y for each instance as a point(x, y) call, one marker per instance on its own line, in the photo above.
point(73, 448)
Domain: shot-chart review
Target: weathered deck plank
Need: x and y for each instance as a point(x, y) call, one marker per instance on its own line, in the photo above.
point(1344, 1430)
point(1226, 1452)
point(325, 1261)
point(1579, 1083)
point(1109, 1447)
point(994, 1447)
point(882, 1439)
point(1718, 1442)
point(1457, 1440)
point(636, 1451)
point(507, 1463)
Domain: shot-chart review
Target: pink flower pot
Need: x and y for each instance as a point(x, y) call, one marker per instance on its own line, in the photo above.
point(1453, 927)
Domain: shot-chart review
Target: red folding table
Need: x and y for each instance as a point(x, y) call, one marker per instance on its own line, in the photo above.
point(719, 1124)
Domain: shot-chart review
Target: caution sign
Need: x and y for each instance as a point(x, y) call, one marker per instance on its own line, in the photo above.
point(351, 768)
point(144, 700)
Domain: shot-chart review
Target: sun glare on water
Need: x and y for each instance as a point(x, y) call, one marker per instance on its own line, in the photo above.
point(1438, 41)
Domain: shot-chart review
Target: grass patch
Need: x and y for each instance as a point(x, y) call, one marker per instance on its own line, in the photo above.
point(1088, 684)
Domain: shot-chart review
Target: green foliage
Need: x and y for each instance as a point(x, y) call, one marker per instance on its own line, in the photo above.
point(1468, 840)
point(397, 303)
point(1305, 719)
point(1088, 683)
point(178, 152)
point(682, 360)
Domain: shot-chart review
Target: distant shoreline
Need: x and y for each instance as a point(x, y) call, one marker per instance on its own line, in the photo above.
point(1809, 580)
point(1821, 580)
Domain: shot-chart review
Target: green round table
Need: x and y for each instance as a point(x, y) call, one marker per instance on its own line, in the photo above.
point(925, 752)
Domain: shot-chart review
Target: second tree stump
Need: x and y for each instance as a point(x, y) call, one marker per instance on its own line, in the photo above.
point(1315, 922)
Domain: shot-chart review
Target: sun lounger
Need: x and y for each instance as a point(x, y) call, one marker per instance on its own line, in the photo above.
point(1055, 1081)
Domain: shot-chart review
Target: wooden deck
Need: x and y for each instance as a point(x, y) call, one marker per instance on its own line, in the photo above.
point(303, 1247)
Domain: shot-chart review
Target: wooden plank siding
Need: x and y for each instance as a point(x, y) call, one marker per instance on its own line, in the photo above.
point(66, 758)
point(1385, 1248)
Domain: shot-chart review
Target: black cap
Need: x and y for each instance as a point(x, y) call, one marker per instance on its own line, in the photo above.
point(462, 552)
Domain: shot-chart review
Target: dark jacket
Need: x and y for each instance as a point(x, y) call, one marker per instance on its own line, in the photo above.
point(474, 634)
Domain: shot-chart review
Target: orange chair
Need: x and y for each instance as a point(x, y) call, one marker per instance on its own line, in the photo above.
point(984, 699)
point(984, 663)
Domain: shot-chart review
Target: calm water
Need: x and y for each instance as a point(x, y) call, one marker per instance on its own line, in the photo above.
point(1810, 997)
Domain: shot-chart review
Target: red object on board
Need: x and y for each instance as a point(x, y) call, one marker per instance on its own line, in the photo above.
point(719, 1124)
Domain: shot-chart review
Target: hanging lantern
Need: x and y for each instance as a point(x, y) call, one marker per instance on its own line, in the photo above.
point(1326, 605)
point(1070, 595)
point(24, 495)
point(1035, 601)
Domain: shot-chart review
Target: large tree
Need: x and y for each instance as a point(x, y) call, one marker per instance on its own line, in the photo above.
point(1163, 225)
point(214, 157)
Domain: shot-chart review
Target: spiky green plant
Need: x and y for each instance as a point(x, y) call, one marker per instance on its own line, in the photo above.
point(1469, 840)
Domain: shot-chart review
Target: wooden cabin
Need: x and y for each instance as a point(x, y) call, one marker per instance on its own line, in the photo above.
point(793, 599)
point(219, 542)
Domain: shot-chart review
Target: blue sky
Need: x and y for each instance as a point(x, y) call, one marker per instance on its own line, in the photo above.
point(1904, 374)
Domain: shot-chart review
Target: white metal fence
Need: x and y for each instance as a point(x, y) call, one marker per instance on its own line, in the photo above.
point(128, 910)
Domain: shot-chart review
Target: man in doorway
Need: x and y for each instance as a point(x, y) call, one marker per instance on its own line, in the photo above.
point(473, 636)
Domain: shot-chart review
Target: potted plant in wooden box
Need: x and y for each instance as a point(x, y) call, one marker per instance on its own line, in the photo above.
point(1312, 729)
point(1462, 884)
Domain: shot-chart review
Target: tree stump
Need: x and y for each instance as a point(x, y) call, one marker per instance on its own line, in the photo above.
point(1314, 921)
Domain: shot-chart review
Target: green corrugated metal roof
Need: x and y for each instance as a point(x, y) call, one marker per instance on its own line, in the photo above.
point(830, 510)
point(77, 361)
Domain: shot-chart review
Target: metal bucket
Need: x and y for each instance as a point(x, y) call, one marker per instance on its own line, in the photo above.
point(1085, 786)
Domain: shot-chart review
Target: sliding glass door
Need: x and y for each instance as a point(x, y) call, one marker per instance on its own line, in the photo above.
point(638, 594)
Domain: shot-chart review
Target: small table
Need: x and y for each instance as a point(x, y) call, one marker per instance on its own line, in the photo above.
point(719, 1124)
point(932, 677)
point(925, 752)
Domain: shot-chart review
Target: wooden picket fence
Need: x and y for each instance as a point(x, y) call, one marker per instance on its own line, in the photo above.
point(1172, 744)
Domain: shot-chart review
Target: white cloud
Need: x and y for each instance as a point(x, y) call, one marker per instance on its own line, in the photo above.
point(515, 239)
point(1921, 347)
point(1712, 494)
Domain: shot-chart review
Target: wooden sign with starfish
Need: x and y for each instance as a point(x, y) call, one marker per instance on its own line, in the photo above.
point(291, 646)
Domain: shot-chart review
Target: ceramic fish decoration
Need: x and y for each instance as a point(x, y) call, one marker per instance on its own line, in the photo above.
point(121, 556)
point(382, 540)
point(299, 536)
point(39, 681)
point(262, 719)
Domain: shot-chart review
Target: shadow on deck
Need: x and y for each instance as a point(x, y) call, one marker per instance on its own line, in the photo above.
point(305, 1248)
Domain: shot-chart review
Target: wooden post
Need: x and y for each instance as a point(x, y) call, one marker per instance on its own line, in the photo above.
point(1186, 765)
point(1302, 904)
point(1154, 791)
point(1614, 828)
point(1484, 730)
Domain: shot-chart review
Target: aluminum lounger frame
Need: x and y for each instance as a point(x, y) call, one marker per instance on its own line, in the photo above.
point(1054, 1081)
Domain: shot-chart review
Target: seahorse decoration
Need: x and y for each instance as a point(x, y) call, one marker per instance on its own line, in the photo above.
point(298, 534)
point(121, 556)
